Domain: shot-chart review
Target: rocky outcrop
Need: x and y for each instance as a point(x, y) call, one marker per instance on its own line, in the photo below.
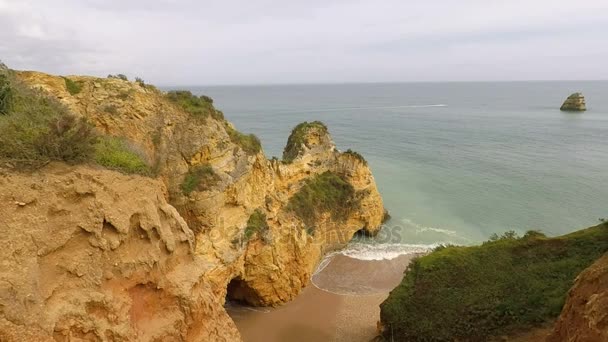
point(96, 255)
point(584, 316)
point(211, 254)
point(574, 103)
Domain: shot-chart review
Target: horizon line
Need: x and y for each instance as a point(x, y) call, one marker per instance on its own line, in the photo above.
point(367, 83)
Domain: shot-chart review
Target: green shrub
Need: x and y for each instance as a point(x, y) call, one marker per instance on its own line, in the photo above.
point(248, 142)
point(68, 139)
point(296, 139)
point(196, 105)
point(123, 95)
point(324, 193)
point(114, 153)
point(199, 177)
point(256, 224)
point(503, 286)
point(508, 235)
point(356, 155)
point(140, 82)
point(72, 86)
point(37, 129)
point(119, 76)
point(5, 94)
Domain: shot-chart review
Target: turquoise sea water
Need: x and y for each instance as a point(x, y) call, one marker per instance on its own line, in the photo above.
point(455, 162)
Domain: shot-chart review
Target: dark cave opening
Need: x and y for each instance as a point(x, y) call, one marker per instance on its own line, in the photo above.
point(240, 293)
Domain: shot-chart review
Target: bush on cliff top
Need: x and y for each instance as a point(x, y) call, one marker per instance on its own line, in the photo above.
point(502, 286)
point(248, 142)
point(196, 105)
point(36, 129)
point(296, 138)
point(5, 94)
point(323, 193)
point(356, 155)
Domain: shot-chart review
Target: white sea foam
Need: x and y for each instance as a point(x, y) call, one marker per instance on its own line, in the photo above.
point(379, 251)
point(420, 228)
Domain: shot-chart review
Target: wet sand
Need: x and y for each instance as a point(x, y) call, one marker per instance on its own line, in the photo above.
point(341, 304)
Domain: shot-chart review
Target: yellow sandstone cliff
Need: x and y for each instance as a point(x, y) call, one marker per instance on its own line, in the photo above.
point(94, 254)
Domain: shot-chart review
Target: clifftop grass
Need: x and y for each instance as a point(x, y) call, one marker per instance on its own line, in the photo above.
point(297, 138)
point(36, 129)
point(323, 193)
point(356, 155)
point(196, 105)
point(116, 154)
point(502, 286)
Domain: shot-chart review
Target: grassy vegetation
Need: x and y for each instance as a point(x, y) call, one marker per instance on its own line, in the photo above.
point(114, 153)
point(73, 87)
point(323, 193)
point(256, 225)
point(502, 286)
point(119, 76)
point(110, 109)
point(198, 178)
point(140, 81)
point(357, 155)
point(197, 105)
point(5, 94)
point(248, 142)
point(296, 138)
point(36, 129)
point(123, 95)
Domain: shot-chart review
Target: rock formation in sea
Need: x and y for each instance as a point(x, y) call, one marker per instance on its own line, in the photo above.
point(94, 254)
point(574, 103)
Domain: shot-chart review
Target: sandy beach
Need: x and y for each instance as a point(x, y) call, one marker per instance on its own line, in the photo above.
point(340, 304)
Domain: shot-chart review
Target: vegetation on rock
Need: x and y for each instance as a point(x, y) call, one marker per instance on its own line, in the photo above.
point(73, 87)
point(5, 94)
point(356, 155)
point(119, 76)
point(297, 138)
point(110, 109)
point(256, 224)
point(196, 105)
point(248, 142)
point(198, 178)
point(115, 153)
point(36, 129)
point(504, 285)
point(324, 193)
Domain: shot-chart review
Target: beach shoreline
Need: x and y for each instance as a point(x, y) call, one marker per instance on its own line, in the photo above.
point(341, 303)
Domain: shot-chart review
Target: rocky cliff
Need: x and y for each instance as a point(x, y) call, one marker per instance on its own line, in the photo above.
point(104, 256)
point(584, 317)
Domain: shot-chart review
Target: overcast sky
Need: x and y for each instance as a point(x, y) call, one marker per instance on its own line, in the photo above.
point(189, 42)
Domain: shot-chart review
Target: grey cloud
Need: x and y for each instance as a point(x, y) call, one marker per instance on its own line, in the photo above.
point(265, 41)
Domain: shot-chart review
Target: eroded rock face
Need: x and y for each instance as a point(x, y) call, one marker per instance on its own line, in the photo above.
point(96, 255)
point(267, 269)
point(574, 103)
point(584, 316)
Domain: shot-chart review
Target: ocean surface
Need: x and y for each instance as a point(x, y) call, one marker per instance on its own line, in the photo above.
point(454, 162)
